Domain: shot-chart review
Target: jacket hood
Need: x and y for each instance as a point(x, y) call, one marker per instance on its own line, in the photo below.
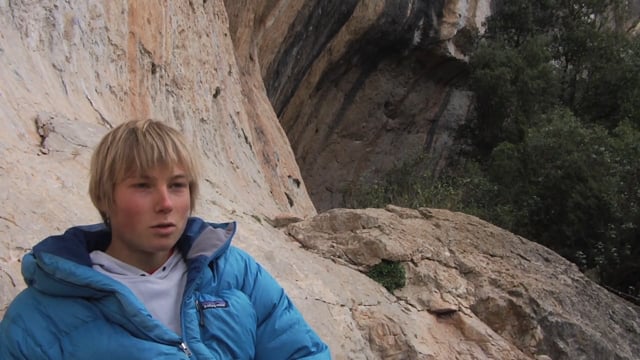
point(60, 264)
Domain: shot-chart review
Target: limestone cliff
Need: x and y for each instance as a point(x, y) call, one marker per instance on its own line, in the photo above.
point(223, 72)
point(72, 70)
point(360, 86)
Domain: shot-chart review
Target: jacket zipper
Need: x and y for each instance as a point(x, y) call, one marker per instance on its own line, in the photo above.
point(185, 349)
point(200, 313)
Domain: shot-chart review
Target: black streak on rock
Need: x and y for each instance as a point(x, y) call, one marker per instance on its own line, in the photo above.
point(307, 37)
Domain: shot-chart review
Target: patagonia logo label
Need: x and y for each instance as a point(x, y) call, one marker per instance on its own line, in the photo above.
point(215, 304)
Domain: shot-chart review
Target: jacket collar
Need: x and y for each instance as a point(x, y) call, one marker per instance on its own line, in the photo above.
point(77, 242)
point(60, 266)
point(52, 265)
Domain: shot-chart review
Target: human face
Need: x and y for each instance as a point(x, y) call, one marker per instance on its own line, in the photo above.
point(148, 217)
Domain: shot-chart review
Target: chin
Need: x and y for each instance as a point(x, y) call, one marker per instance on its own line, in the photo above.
point(164, 245)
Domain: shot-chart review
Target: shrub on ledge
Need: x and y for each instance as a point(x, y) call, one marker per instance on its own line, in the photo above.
point(389, 274)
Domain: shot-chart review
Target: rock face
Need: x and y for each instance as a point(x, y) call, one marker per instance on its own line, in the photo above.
point(470, 280)
point(72, 70)
point(360, 86)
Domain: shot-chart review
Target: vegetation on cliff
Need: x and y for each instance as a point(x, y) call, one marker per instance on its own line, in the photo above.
point(389, 274)
point(553, 153)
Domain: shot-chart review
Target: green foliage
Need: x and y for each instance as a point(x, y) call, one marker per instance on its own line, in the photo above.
point(411, 184)
point(569, 179)
point(554, 151)
point(517, 20)
point(513, 87)
point(559, 177)
point(570, 182)
point(390, 274)
point(622, 244)
point(602, 80)
point(537, 56)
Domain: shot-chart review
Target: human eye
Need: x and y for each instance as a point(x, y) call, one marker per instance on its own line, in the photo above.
point(141, 185)
point(179, 185)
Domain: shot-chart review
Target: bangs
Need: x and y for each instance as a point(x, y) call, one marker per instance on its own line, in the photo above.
point(144, 152)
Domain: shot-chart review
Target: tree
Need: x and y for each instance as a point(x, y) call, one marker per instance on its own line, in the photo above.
point(513, 87)
point(553, 153)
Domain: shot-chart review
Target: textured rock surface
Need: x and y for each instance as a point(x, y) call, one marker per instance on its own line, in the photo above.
point(360, 86)
point(471, 280)
point(72, 70)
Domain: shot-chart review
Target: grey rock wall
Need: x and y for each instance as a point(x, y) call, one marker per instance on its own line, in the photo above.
point(362, 86)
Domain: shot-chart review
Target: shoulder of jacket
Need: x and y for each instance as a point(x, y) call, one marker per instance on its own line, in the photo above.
point(25, 331)
point(236, 254)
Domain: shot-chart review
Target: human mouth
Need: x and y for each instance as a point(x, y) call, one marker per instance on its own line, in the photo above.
point(164, 228)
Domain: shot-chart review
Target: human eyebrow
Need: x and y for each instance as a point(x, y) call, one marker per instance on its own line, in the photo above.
point(179, 177)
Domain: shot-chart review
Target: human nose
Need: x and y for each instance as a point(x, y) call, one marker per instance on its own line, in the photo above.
point(164, 202)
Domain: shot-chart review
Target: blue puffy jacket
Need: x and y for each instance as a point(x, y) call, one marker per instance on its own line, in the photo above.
point(231, 308)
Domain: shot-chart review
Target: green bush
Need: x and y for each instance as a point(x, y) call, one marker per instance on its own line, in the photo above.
point(389, 274)
point(413, 184)
point(553, 152)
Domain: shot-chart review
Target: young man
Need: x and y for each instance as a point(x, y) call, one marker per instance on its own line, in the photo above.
point(151, 282)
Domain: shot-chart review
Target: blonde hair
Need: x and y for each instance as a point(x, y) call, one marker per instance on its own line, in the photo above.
point(135, 148)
